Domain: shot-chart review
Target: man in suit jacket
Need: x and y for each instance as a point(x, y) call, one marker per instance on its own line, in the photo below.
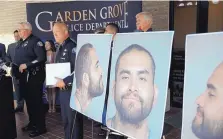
point(10, 59)
point(2, 51)
point(144, 22)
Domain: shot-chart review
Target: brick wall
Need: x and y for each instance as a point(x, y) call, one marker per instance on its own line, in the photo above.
point(160, 11)
point(14, 12)
point(11, 13)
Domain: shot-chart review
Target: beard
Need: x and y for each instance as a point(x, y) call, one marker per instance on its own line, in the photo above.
point(131, 113)
point(207, 129)
point(96, 87)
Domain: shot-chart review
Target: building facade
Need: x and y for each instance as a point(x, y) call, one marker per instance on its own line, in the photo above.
point(15, 11)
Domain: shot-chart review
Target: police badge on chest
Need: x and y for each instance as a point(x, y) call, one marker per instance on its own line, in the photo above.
point(25, 44)
point(64, 55)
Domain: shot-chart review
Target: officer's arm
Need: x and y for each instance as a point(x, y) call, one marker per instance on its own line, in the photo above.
point(40, 53)
point(69, 79)
point(72, 56)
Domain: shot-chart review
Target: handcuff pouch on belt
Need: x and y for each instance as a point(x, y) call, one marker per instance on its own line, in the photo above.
point(33, 71)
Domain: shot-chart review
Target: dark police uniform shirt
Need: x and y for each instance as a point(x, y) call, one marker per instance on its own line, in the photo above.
point(31, 52)
point(66, 52)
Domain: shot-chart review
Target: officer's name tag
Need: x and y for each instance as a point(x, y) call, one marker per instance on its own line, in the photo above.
point(59, 70)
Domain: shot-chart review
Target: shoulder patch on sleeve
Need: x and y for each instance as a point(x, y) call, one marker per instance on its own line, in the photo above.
point(74, 50)
point(39, 43)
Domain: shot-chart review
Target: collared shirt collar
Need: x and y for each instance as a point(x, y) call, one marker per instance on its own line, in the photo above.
point(150, 29)
point(64, 43)
point(27, 37)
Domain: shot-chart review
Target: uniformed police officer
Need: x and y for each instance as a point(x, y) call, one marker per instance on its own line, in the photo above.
point(30, 57)
point(66, 52)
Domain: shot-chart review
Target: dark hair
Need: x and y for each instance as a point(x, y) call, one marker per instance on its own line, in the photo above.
point(115, 26)
point(129, 49)
point(83, 63)
point(53, 48)
point(99, 30)
point(16, 31)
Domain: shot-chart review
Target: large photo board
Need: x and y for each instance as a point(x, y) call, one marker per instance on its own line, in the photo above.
point(139, 83)
point(90, 77)
point(203, 87)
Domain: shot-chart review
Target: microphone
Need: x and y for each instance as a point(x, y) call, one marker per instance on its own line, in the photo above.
point(3, 68)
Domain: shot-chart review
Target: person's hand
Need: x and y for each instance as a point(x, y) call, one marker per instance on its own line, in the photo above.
point(22, 67)
point(60, 83)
